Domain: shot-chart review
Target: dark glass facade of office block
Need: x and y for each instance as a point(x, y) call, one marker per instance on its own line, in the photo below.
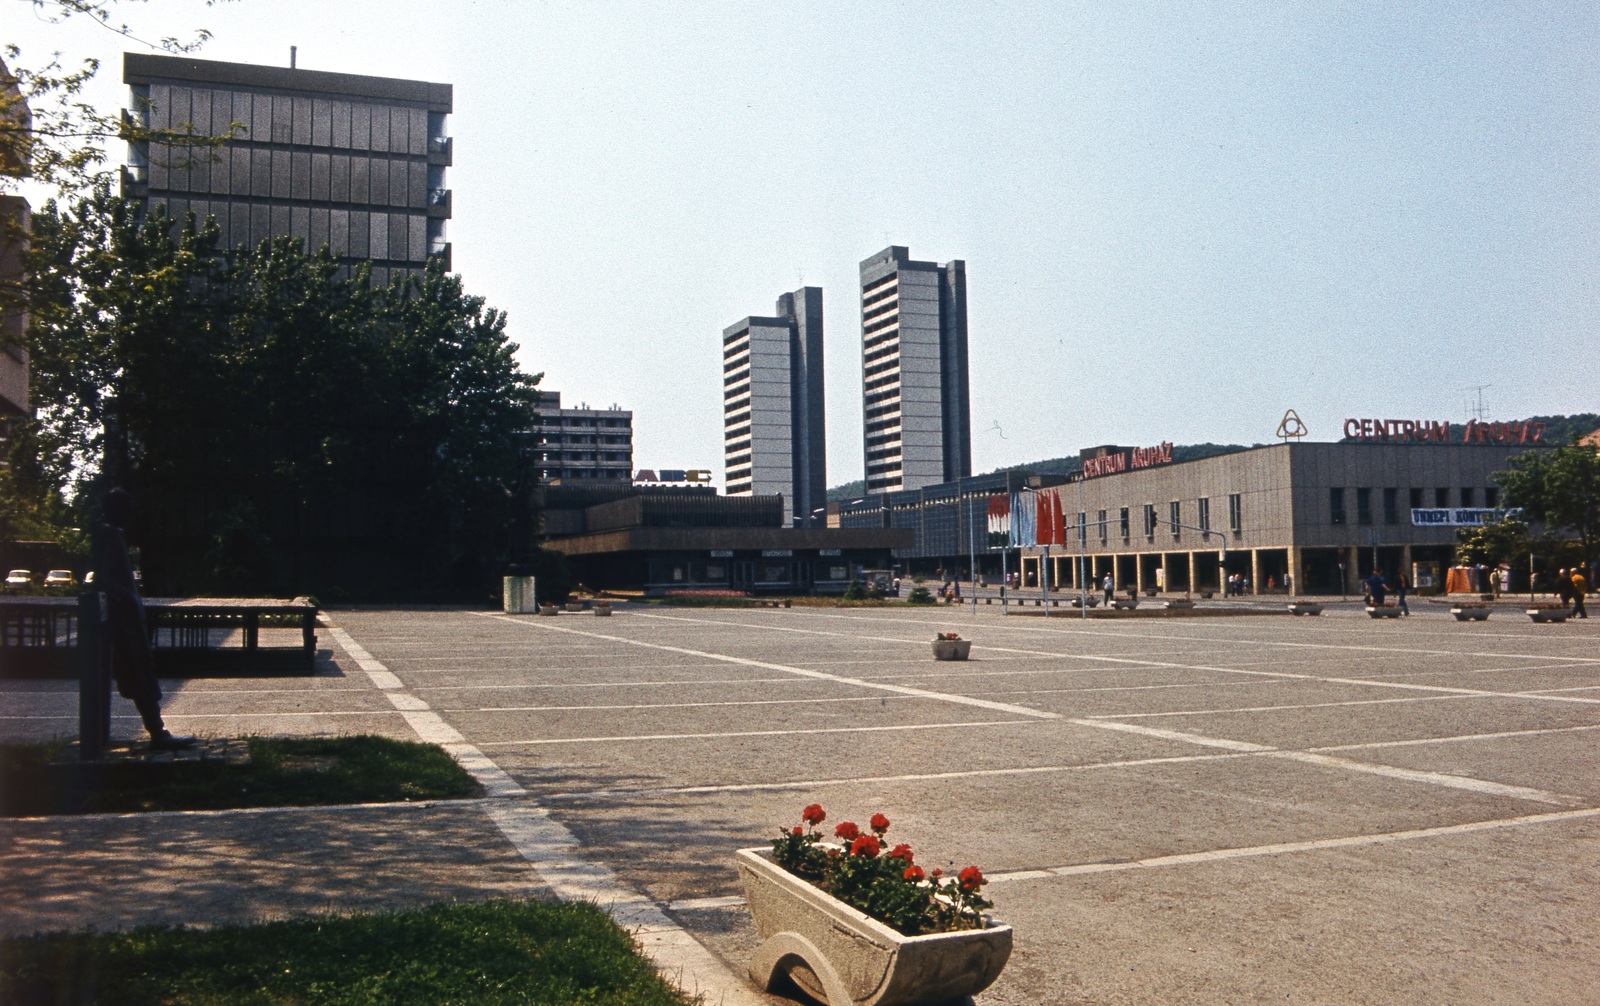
point(352, 162)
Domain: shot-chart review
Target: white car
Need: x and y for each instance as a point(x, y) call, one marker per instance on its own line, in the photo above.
point(60, 579)
point(19, 579)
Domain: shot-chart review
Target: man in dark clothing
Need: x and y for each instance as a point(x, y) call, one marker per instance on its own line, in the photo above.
point(132, 662)
point(1375, 588)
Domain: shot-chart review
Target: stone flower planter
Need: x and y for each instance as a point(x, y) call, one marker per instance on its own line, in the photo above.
point(1124, 603)
point(1383, 611)
point(602, 608)
point(951, 649)
point(574, 605)
point(1180, 603)
point(1470, 612)
point(548, 609)
point(1305, 608)
point(844, 958)
point(1558, 614)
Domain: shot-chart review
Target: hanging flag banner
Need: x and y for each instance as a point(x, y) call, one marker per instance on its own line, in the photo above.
point(1024, 521)
point(999, 522)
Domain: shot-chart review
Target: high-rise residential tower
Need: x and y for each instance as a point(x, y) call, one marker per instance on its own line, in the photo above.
point(918, 423)
point(353, 162)
point(772, 407)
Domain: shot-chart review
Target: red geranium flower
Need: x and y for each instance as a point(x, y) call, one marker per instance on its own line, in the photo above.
point(880, 824)
point(797, 830)
point(865, 845)
point(813, 815)
point(913, 874)
point(901, 851)
point(847, 830)
point(971, 878)
point(938, 872)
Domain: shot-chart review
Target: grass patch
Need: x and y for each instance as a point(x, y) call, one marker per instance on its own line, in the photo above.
point(281, 772)
point(525, 952)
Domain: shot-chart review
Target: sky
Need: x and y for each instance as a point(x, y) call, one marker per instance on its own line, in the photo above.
point(1178, 220)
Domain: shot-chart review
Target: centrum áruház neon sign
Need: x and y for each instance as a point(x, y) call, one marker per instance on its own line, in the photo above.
point(1127, 459)
point(1409, 431)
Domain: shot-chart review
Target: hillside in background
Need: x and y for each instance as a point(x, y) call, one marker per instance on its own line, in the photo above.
point(1558, 430)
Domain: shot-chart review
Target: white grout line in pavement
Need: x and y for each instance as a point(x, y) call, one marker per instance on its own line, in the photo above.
point(1322, 761)
point(554, 853)
point(804, 672)
point(1417, 742)
point(728, 734)
point(1315, 845)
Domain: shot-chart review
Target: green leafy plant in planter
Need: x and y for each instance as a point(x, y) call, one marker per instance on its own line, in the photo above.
point(887, 884)
point(919, 595)
point(855, 592)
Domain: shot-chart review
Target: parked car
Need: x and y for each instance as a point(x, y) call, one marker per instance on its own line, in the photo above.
point(19, 579)
point(60, 579)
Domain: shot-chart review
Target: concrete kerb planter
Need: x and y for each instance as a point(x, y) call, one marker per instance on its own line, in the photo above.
point(951, 649)
point(1383, 610)
point(1305, 608)
point(1558, 614)
point(844, 958)
point(1180, 604)
point(1470, 612)
point(548, 609)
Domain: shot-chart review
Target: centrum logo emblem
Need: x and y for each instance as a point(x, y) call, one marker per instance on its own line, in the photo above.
point(1291, 426)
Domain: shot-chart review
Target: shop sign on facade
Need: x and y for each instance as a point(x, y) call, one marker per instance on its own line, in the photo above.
point(777, 553)
point(1127, 459)
point(722, 553)
point(1427, 431)
point(691, 475)
point(1458, 516)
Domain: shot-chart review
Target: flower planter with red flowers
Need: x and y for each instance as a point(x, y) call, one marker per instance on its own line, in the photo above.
point(602, 608)
point(548, 609)
point(815, 933)
point(949, 646)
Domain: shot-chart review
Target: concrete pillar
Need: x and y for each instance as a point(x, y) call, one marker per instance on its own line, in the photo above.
point(1138, 572)
point(1296, 568)
point(1405, 565)
point(1193, 570)
point(1255, 572)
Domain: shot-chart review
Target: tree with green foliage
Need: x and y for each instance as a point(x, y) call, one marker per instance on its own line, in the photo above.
point(1505, 540)
point(1559, 488)
point(285, 430)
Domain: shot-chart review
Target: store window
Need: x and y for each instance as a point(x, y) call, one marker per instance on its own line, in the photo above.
point(1149, 520)
point(1416, 499)
point(1491, 497)
point(1441, 497)
point(1104, 531)
point(1175, 517)
point(1364, 506)
point(1336, 505)
point(1202, 513)
point(1123, 523)
point(1391, 506)
point(1235, 512)
point(1469, 496)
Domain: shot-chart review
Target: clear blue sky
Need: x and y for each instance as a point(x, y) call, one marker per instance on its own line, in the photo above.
point(1178, 220)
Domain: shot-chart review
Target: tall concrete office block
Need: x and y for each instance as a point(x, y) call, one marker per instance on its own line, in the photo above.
point(774, 440)
point(356, 163)
point(918, 423)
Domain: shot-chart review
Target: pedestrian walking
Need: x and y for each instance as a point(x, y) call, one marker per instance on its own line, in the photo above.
point(1402, 587)
point(1580, 587)
point(1108, 587)
point(1375, 589)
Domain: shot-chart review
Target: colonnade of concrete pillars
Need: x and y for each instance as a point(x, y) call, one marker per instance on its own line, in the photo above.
point(1063, 570)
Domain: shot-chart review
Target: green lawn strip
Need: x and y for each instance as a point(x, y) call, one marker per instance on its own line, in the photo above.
point(526, 952)
point(281, 772)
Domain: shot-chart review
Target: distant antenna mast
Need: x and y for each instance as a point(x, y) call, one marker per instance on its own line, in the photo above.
point(1475, 407)
point(292, 50)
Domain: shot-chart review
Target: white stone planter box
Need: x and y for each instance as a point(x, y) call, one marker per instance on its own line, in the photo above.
point(574, 605)
point(1125, 603)
point(1386, 611)
point(1470, 614)
point(951, 649)
point(1548, 614)
point(603, 610)
point(548, 609)
point(1180, 603)
point(844, 958)
point(1305, 608)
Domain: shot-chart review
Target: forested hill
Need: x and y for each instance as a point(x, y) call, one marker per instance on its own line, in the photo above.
point(1557, 430)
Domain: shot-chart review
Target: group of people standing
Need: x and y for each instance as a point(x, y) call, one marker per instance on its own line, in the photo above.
point(1571, 586)
point(1238, 584)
